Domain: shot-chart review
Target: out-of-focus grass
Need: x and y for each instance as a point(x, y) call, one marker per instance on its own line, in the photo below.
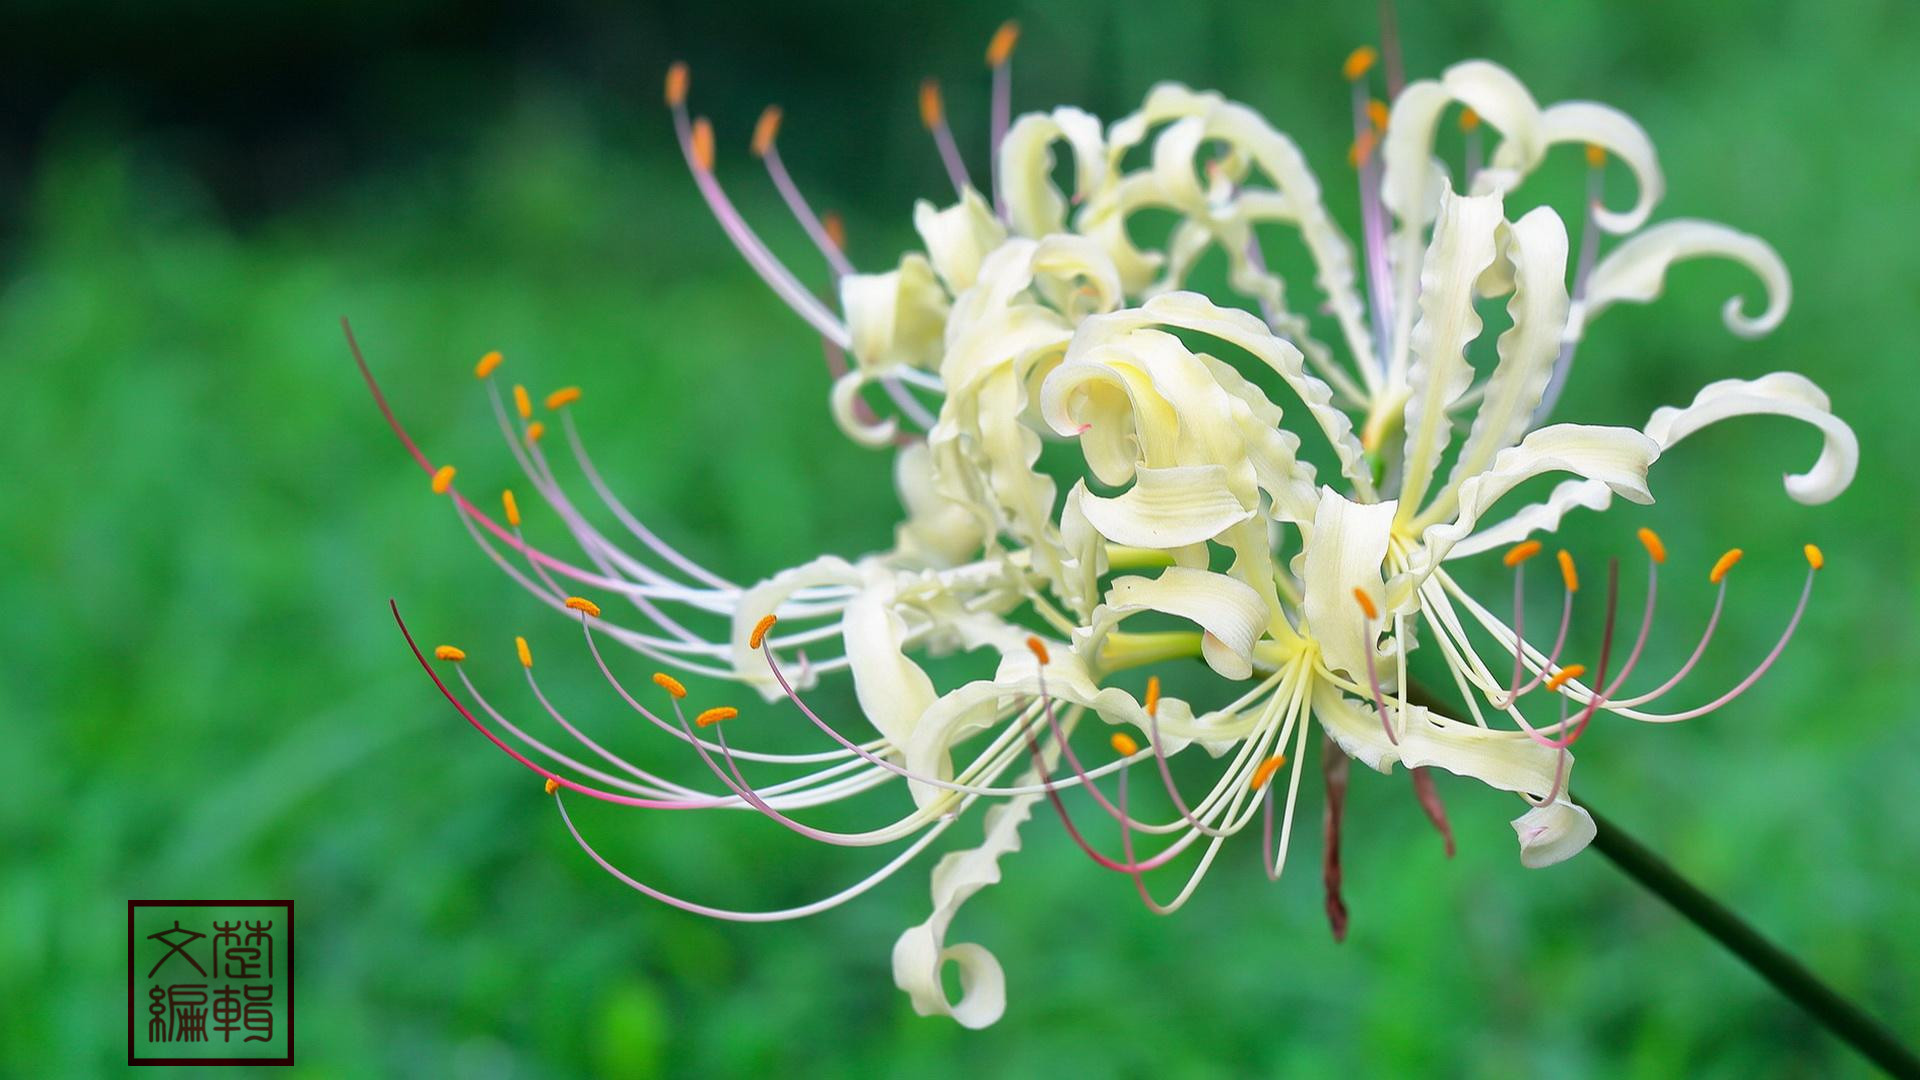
point(204, 693)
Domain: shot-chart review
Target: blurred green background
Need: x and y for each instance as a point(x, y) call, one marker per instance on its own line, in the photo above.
point(204, 694)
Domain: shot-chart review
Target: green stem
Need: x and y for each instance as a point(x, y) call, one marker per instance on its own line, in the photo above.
point(1846, 1020)
point(1792, 978)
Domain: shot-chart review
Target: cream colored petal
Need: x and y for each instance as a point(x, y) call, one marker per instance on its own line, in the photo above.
point(1507, 760)
point(1344, 552)
point(1536, 249)
point(938, 532)
point(1636, 272)
point(896, 318)
point(1034, 206)
point(959, 237)
point(1615, 457)
point(1232, 614)
point(1590, 123)
point(1168, 508)
point(1463, 248)
point(922, 952)
point(844, 402)
point(765, 599)
point(1553, 833)
point(893, 691)
point(1504, 105)
point(1782, 393)
point(1779, 394)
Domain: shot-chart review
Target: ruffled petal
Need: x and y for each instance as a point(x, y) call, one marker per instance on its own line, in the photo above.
point(1463, 248)
point(1034, 205)
point(1343, 553)
point(893, 691)
point(1231, 612)
point(1553, 833)
point(1168, 508)
point(1593, 124)
point(896, 318)
point(959, 237)
point(1636, 272)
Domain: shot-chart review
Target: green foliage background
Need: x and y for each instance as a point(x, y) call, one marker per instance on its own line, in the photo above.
point(204, 695)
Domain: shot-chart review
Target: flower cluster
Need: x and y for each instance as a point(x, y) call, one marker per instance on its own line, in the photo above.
point(1034, 312)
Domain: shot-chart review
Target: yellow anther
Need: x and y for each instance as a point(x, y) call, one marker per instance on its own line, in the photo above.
point(487, 363)
point(535, 430)
point(443, 479)
point(1039, 649)
point(521, 402)
point(581, 603)
point(676, 82)
point(765, 129)
point(670, 684)
point(1265, 771)
point(1521, 552)
point(511, 507)
point(836, 229)
point(703, 145)
point(1815, 558)
point(760, 630)
point(552, 785)
point(563, 397)
point(931, 109)
point(1596, 155)
point(526, 654)
point(1362, 149)
point(1367, 607)
point(449, 652)
point(1153, 694)
point(716, 714)
point(1560, 678)
point(1359, 62)
point(1567, 572)
point(1004, 39)
point(1124, 745)
point(1725, 564)
point(1377, 114)
point(1469, 120)
point(1656, 550)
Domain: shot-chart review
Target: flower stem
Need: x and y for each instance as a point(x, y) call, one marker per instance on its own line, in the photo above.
point(1792, 978)
point(1846, 1020)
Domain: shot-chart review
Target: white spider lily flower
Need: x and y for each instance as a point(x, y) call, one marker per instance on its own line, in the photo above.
point(1033, 312)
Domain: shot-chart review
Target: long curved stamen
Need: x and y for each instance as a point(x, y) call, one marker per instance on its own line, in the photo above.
point(766, 147)
point(1656, 554)
point(1000, 59)
point(1597, 698)
point(933, 115)
point(1373, 227)
point(1371, 613)
point(1582, 274)
point(696, 145)
point(1780, 646)
point(784, 914)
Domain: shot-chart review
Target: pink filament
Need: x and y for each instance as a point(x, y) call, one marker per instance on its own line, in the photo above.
point(803, 212)
point(1334, 768)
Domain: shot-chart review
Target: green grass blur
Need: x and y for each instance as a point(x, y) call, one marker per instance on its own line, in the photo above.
point(204, 694)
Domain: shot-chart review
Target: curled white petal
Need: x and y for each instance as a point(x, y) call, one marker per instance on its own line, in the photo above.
point(1231, 612)
point(1782, 393)
point(1168, 508)
point(1591, 123)
point(1553, 833)
point(896, 318)
point(959, 237)
point(1344, 553)
point(1636, 272)
point(1034, 205)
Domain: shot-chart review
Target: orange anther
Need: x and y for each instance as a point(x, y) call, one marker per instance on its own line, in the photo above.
point(1567, 572)
point(676, 82)
point(449, 652)
point(765, 129)
point(703, 145)
point(1571, 671)
point(716, 714)
point(1153, 694)
point(563, 397)
point(443, 479)
point(1815, 557)
point(836, 229)
point(1656, 549)
point(552, 785)
point(1359, 62)
point(670, 684)
point(535, 430)
point(760, 630)
point(1596, 156)
point(487, 363)
point(1265, 771)
point(511, 507)
point(1124, 745)
point(1367, 607)
point(1039, 649)
point(931, 110)
point(522, 404)
point(1004, 39)
point(526, 654)
point(1469, 120)
point(1362, 149)
point(1725, 564)
point(1521, 552)
point(1377, 114)
point(581, 603)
